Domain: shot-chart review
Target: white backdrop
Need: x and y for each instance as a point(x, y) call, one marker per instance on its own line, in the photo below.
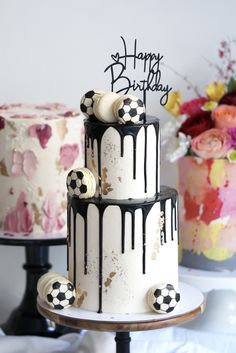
point(55, 50)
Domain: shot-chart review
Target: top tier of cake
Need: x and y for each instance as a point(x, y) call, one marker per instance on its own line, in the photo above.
point(38, 145)
point(124, 158)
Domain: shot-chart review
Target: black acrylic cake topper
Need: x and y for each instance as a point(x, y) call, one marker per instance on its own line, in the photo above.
point(123, 63)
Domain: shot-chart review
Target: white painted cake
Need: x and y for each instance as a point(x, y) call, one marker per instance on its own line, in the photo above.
point(38, 146)
point(123, 241)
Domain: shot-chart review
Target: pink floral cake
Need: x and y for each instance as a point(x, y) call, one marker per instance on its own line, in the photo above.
point(207, 191)
point(38, 145)
point(202, 138)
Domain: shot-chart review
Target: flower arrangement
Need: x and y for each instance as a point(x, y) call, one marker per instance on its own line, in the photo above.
point(205, 126)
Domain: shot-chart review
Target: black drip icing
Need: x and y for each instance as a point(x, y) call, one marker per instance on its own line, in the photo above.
point(94, 130)
point(81, 206)
point(68, 233)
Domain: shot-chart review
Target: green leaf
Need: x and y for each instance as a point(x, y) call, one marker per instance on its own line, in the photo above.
point(231, 87)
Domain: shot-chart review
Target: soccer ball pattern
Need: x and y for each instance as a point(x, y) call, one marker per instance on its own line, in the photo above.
point(61, 294)
point(81, 182)
point(163, 298)
point(87, 102)
point(129, 109)
point(75, 183)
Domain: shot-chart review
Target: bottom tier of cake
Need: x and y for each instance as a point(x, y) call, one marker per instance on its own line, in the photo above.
point(117, 250)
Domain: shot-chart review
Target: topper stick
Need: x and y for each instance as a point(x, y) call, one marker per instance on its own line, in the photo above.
point(144, 102)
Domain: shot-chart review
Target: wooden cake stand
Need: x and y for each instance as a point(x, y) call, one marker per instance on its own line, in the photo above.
point(25, 319)
point(192, 304)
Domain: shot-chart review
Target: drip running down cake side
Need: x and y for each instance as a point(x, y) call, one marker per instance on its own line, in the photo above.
point(122, 226)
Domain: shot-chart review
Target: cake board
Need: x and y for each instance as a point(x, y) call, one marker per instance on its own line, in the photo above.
point(123, 324)
point(25, 319)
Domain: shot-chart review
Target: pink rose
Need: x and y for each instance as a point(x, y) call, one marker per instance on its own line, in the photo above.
point(20, 218)
point(42, 131)
point(224, 116)
point(52, 220)
point(68, 155)
point(213, 143)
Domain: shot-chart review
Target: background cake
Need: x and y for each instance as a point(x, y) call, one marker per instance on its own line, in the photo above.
point(123, 241)
point(207, 190)
point(38, 145)
point(202, 137)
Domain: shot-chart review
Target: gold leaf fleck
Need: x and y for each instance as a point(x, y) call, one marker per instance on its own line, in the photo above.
point(12, 126)
point(106, 187)
point(63, 205)
point(62, 129)
point(80, 297)
point(37, 214)
point(93, 164)
point(40, 191)
point(58, 166)
point(108, 282)
point(3, 168)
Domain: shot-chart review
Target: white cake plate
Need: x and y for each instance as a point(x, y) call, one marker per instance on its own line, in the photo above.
point(192, 303)
point(220, 288)
point(207, 281)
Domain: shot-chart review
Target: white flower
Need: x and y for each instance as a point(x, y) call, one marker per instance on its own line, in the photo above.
point(178, 147)
point(170, 129)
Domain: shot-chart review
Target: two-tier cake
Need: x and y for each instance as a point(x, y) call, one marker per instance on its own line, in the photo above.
point(124, 240)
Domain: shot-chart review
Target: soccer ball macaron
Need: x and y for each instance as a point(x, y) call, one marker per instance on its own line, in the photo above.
point(56, 290)
point(81, 182)
point(129, 109)
point(87, 102)
point(60, 294)
point(163, 298)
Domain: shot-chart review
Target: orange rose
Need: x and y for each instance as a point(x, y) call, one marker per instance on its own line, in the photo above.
point(224, 116)
point(213, 143)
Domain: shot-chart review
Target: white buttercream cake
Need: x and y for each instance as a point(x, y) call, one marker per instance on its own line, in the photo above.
point(39, 144)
